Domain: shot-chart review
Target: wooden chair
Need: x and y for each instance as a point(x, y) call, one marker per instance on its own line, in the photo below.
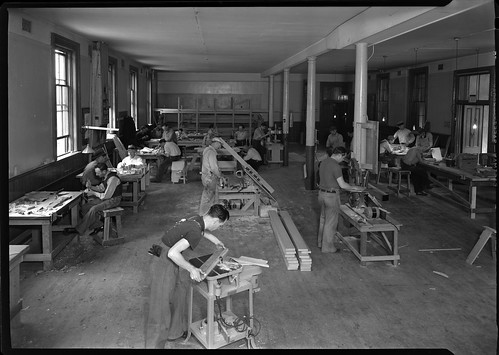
point(488, 233)
point(381, 167)
point(110, 214)
point(399, 173)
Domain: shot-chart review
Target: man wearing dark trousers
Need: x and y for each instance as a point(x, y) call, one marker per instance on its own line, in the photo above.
point(419, 177)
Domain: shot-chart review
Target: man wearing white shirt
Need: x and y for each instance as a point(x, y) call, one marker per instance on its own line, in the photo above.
point(253, 158)
point(132, 160)
point(403, 134)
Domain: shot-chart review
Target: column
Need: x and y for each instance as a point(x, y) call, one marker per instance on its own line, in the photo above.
point(310, 126)
point(285, 115)
point(271, 101)
point(360, 108)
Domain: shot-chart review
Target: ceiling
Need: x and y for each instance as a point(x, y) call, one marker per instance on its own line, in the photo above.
point(266, 40)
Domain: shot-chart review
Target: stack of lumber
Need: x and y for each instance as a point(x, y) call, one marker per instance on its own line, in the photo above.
point(294, 249)
point(284, 241)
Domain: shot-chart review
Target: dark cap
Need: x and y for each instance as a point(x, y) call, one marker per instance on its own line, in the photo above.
point(399, 123)
point(131, 146)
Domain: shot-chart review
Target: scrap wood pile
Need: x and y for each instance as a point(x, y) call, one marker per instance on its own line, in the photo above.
point(293, 247)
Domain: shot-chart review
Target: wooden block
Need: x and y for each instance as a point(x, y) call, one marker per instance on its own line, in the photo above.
point(212, 261)
point(281, 234)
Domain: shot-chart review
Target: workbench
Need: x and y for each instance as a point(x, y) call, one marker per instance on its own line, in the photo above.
point(374, 228)
point(137, 178)
point(223, 165)
point(469, 201)
point(41, 209)
point(221, 284)
point(16, 256)
point(248, 199)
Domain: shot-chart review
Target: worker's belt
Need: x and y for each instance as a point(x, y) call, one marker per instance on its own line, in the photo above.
point(330, 191)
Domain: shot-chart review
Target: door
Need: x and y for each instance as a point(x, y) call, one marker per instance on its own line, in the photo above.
point(474, 134)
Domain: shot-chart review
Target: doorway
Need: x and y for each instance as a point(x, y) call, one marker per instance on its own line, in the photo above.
point(336, 109)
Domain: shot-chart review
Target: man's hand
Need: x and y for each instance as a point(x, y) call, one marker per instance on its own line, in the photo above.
point(196, 274)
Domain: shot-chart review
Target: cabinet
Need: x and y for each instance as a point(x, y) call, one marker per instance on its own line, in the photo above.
point(196, 114)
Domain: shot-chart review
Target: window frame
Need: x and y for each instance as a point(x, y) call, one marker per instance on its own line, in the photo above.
point(383, 98)
point(72, 49)
point(134, 86)
point(112, 94)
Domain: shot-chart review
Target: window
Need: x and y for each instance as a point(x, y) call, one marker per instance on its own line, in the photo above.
point(383, 94)
point(149, 96)
point(111, 94)
point(66, 54)
point(133, 93)
point(418, 86)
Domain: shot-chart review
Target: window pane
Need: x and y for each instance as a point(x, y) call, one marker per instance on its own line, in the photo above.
point(483, 89)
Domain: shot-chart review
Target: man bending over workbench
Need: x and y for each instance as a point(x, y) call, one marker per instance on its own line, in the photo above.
point(102, 197)
point(172, 275)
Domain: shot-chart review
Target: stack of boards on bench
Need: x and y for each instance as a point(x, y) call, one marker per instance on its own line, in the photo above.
point(293, 247)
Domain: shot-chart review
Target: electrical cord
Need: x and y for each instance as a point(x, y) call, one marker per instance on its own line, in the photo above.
point(240, 324)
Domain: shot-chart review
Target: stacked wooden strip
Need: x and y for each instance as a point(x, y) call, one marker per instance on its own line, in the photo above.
point(283, 240)
point(301, 247)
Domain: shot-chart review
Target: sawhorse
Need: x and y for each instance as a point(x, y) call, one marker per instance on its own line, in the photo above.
point(488, 233)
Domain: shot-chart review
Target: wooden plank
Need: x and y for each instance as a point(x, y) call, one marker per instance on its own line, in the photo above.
point(293, 232)
point(212, 261)
point(282, 237)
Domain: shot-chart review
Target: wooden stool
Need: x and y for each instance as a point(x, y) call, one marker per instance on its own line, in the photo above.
point(109, 214)
point(488, 233)
point(400, 173)
point(381, 166)
point(179, 171)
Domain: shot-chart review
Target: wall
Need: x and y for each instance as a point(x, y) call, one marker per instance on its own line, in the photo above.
point(31, 94)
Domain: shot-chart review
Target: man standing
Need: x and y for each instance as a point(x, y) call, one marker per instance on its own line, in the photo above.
point(334, 139)
point(403, 134)
point(172, 274)
point(210, 175)
point(419, 177)
point(331, 180)
point(104, 196)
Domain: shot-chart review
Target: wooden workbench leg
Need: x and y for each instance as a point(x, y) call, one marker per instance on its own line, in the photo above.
point(47, 245)
point(228, 303)
point(210, 323)
point(363, 246)
point(74, 215)
point(472, 197)
point(251, 305)
point(395, 246)
point(135, 196)
point(449, 184)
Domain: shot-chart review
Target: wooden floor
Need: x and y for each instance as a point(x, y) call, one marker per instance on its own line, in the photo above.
point(97, 297)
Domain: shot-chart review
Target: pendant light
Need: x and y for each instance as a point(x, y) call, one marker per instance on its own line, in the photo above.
point(457, 48)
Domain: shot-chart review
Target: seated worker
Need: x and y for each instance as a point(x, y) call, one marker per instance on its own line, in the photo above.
point(259, 142)
point(241, 136)
point(170, 152)
point(102, 197)
point(172, 275)
point(403, 134)
point(132, 160)
point(386, 150)
point(253, 158)
point(88, 176)
point(424, 140)
point(419, 177)
point(169, 134)
point(212, 132)
point(334, 139)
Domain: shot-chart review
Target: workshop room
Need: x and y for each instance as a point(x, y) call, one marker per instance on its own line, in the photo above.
point(223, 176)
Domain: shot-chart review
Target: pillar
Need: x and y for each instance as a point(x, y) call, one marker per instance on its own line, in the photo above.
point(285, 115)
point(360, 104)
point(310, 126)
point(271, 101)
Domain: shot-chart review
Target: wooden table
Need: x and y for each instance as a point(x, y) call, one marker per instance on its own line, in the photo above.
point(16, 256)
point(373, 228)
point(223, 165)
point(151, 157)
point(469, 201)
point(40, 209)
point(137, 178)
